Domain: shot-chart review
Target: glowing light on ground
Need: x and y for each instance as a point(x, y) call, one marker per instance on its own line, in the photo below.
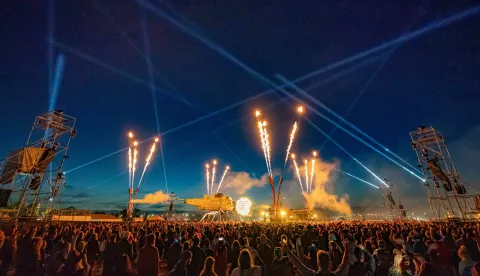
point(243, 206)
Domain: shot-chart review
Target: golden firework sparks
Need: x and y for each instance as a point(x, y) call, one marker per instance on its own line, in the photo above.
point(223, 177)
point(267, 145)
point(262, 139)
point(214, 171)
point(306, 176)
point(298, 173)
point(207, 168)
point(147, 161)
point(292, 137)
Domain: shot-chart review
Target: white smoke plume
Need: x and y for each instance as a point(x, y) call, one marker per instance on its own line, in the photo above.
point(241, 182)
point(153, 198)
point(320, 197)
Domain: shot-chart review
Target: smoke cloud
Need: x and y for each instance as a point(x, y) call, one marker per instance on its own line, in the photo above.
point(241, 182)
point(320, 197)
point(153, 198)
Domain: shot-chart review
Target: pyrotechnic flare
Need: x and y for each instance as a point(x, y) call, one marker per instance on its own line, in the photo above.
point(300, 109)
point(223, 177)
point(312, 173)
point(214, 170)
point(147, 161)
point(207, 168)
point(129, 167)
point(134, 163)
point(130, 183)
point(267, 145)
point(292, 137)
point(262, 139)
point(298, 172)
point(306, 177)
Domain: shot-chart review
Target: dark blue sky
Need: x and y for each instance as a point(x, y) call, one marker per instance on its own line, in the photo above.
point(432, 79)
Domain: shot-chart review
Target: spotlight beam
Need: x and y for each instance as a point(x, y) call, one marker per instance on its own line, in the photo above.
point(199, 119)
point(359, 179)
point(346, 152)
point(50, 34)
point(56, 82)
point(146, 43)
point(341, 127)
point(155, 69)
point(374, 75)
point(113, 69)
point(400, 39)
point(223, 52)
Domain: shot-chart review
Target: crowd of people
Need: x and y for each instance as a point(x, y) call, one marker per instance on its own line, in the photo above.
point(349, 248)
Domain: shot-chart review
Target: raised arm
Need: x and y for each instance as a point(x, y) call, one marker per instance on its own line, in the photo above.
point(302, 269)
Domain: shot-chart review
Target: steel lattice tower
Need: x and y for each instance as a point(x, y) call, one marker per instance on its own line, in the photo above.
point(447, 195)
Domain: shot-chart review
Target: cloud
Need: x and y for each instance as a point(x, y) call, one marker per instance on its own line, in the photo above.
point(153, 198)
point(320, 197)
point(240, 182)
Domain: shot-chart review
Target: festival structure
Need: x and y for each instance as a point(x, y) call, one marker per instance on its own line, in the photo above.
point(133, 155)
point(33, 175)
point(447, 194)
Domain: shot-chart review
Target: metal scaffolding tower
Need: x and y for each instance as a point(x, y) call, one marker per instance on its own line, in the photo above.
point(447, 195)
point(34, 173)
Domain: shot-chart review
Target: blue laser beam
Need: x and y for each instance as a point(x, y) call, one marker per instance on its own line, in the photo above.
point(205, 117)
point(59, 67)
point(155, 69)
point(359, 179)
point(211, 44)
point(146, 43)
point(346, 152)
point(302, 92)
point(223, 52)
point(114, 69)
point(50, 31)
point(400, 39)
point(374, 75)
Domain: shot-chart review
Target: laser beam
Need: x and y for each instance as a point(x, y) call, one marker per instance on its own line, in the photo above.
point(60, 65)
point(346, 152)
point(359, 179)
point(342, 128)
point(113, 69)
point(400, 39)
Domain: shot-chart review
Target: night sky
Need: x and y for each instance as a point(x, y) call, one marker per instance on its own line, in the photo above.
point(432, 79)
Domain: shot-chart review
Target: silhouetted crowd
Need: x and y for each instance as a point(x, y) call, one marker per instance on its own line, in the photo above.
point(242, 249)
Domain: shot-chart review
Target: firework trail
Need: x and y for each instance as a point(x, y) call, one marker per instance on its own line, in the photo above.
point(134, 163)
point(223, 177)
point(312, 173)
point(147, 161)
point(292, 137)
point(306, 177)
point(130, 183)
point(207, 168)
point(298, 172)
point(262, 139)
point(129, 167)
point(267, 145)
point(214, 170)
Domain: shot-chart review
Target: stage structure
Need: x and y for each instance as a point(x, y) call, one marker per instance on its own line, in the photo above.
point(33, 175)
point(447, 195)
point(396, 207)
